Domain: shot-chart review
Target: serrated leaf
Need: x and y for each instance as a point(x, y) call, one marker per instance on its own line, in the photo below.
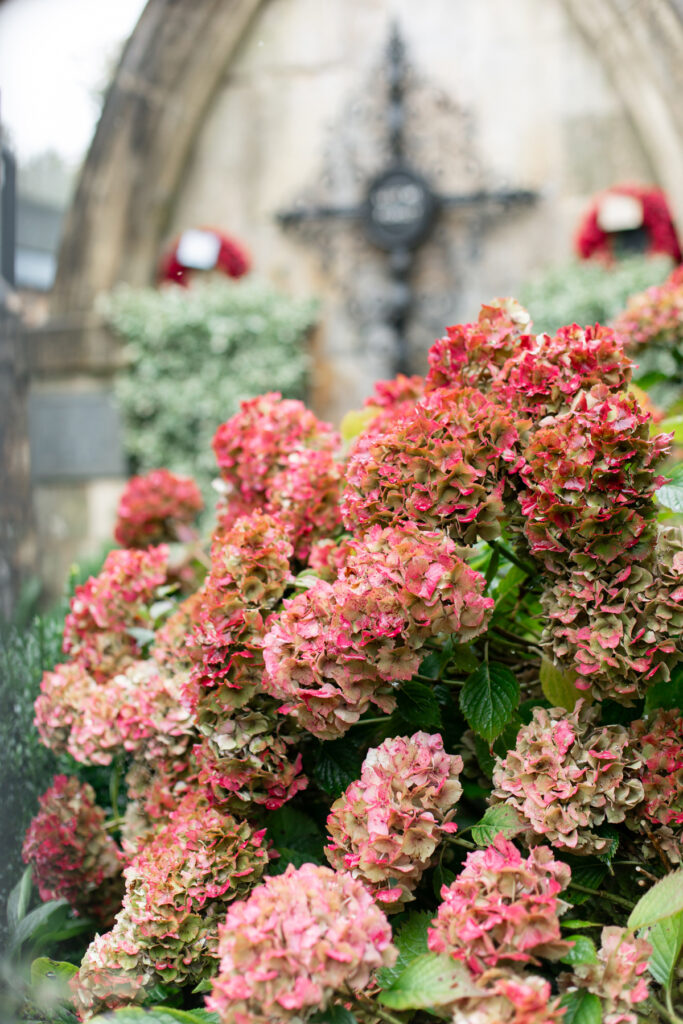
point(666, 939)
point(559, 686)
point(608, 832)
point(581, 1007)
point(333, 1015)
point(417, 704)
point(46, 914)
point(338, 765)
point(432, 979)
point(588, 875)
point(499, 818)
point(582, 952)
point(411, 942)
point(663, 900)
point(489, 699)
point(18, 899)
point(296, 837)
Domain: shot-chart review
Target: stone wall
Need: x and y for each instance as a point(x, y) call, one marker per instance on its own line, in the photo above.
point(498, 95)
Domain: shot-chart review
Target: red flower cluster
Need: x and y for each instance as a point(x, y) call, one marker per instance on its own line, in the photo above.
point(155, 508)
point(259, 439)
point(177, 888)
point(71, 854)
point(97, 630)
point(473, 355)
point(591, 240)
point(249, 572)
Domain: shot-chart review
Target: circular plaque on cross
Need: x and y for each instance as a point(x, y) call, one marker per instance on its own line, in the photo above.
point(399, 209)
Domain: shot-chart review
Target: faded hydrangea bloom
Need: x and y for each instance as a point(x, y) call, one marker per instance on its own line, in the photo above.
point(249, 573)
point(337, 647)
point(472, 355)
point(178, 887)
point(97, 630)
point(619, 977)
point(659, 741)
point(156, 507)
point(71, 854)
point(137, 711)
point(565, 776)
point(441, 466)
point(300, 939)
point(620, 633)
point(387, 826)
point(508, 997)
point(502, 910)
point(247, 756)
point(590, 475)
point(255, 443)
point(304, 496)
point(655, 316)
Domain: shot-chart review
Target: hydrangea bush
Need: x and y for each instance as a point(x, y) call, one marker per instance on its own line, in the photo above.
point(405, 737)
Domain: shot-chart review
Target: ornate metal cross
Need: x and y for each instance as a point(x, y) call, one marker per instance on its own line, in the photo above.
point(400, 208)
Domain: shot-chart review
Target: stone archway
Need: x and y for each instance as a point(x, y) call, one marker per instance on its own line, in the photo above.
point(168, 73)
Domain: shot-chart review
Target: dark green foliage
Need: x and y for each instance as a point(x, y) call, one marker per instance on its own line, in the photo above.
point(26, 766)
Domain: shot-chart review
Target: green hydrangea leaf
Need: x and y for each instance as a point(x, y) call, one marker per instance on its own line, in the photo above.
point(338, 765)
point(430, 980)
point(666, 939)
point(499, 818)
point(489, 698)
point(663, 900)
point(334, 1015)
point(411, 941)
point(667, 695)
point(418, 706)
point(582, 952)
point(559, 685)
point(581, 1007)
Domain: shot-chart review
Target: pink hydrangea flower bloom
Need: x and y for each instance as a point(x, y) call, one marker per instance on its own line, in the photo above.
point(508, 997)
point(387, 826)
point(71, 854)
point(300, 939)
point(335, 648)
point(155, 508)
point(619, 977)
point(565, 776)
point(178, 886)
point(502, 909)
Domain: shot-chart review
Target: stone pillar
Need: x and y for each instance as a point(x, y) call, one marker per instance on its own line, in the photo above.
point(17, 536)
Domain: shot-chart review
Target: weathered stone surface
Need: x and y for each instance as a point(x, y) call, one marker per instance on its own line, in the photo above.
point(74, 436)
